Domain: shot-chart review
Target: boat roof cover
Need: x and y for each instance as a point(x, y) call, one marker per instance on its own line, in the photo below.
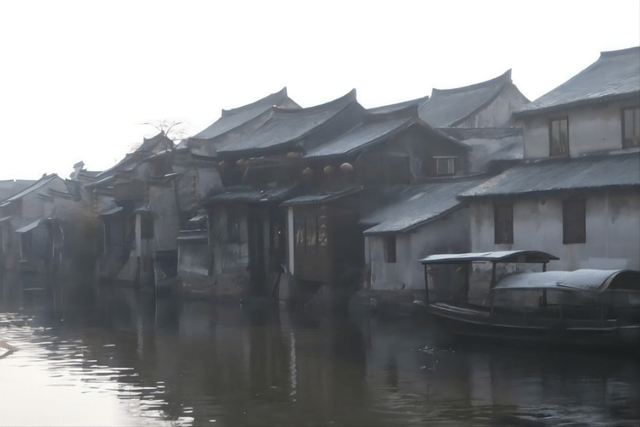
point(578, 280)
point(499, 256)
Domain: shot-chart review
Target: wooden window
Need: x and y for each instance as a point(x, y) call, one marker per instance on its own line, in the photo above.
point(311, 234)
point(276, 235)
point(559, 137)
point(299, 232)
point(631, 127)
point(390, 249)
point(445, 165)
point(503, 222)
point(323, 224)
point(574, 221)
point(233, 229)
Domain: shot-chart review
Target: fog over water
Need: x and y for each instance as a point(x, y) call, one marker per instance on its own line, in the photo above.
point(131, 360)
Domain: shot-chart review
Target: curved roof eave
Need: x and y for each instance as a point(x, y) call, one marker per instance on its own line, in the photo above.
point(259, 148)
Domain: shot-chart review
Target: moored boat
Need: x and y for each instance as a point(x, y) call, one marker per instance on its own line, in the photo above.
point(581, 307)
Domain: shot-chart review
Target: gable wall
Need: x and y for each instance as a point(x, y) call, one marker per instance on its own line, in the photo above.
point(498, 112)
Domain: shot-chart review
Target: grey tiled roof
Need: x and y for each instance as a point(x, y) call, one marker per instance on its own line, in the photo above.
point(313, 199)
point(289, 125)
point(462, 134)
point(398, 106)
point(616, 74)
point(489, 144)
point(451, 106)
point(34, 187)
point(10, 187)
point(236, 117)
point(374, 128)
point(151, 144)
point(610, 171)
point(150, 147)
point(253, 195)
point(419, 204)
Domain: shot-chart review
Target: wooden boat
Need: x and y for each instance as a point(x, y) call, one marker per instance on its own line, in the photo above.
point(582, 307)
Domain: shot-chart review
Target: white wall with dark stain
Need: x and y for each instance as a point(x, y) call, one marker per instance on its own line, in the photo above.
point(449, 234)
point(592, 129)
point(612, 230)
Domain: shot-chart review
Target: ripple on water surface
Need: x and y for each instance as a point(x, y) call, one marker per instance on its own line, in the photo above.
point(202, 364)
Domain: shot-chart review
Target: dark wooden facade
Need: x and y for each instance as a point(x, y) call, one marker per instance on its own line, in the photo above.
point(328, 245)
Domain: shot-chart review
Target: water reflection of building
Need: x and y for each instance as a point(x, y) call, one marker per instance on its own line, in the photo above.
point(265, 367)
point(47, 237)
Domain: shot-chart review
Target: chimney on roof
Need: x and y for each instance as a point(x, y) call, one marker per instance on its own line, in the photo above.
point(76, 170)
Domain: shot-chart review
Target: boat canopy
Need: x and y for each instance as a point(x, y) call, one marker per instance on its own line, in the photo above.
point(578, 280)
point(500, 256)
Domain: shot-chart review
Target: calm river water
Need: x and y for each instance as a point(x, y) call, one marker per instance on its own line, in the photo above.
point(130, 360)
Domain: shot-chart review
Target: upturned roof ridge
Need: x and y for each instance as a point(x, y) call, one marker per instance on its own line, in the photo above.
point(502, 79)
point(271, 99)
point(346, 99)
point(609, 53)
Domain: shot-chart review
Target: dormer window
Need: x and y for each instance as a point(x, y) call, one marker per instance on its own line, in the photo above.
point(445, 165)
point(631, 127)
point(559, 137)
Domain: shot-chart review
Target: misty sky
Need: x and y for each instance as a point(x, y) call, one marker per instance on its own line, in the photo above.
point(78, 78)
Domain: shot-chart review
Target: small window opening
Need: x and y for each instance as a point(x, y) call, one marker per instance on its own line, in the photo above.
point(631, 127)
point(503, 223)
point(574, 221)
point(445, 165)
point(390, 249)
point(559, 137)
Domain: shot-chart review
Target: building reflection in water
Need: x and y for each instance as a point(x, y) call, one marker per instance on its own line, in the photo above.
point(197, 361)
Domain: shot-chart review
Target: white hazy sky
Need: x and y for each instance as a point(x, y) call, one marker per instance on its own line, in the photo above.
point(78, 77)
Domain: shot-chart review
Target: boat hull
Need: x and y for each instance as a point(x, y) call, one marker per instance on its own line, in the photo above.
point(556, 333)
